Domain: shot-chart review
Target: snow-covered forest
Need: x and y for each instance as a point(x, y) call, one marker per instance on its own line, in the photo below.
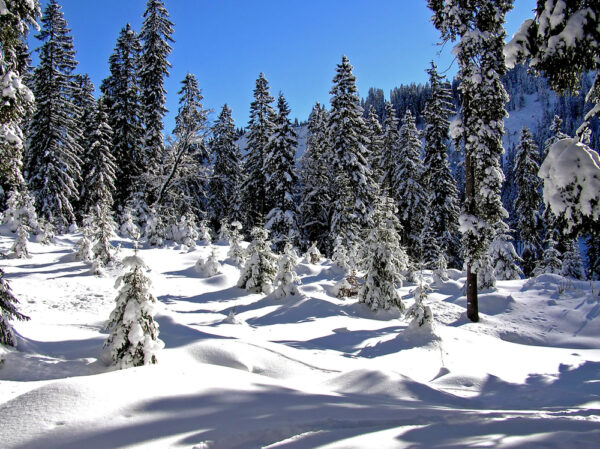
point(422, 271)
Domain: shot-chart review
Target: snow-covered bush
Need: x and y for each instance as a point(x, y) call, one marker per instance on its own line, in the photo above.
point(236, 253)
point(572, 266)
point(342, 256)
point(286, 281)
point(440, 270)
point(210, 266)
point(8, 311)
point(261, 267)
point(312, 255)
point(83, 248)
point(504, 258)
point(128, 227)
point(103, 229)
point(551, 261)
point(154, 228)
point(185, 231)
point(348, 286)
point(133, 339)
point(419, 313)
point(204, 233)
point(224, 231)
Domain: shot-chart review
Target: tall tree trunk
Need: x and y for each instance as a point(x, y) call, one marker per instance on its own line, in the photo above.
point(472, 302)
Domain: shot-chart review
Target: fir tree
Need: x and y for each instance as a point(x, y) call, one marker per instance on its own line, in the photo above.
point(122, 97)
point(226, 177)
point(286, 281)
point(133, 339)
point(572, 265)
point(528, 202)
point(53, 163)
point(281, 180)
point(103, 227)
point(443, 208)
point(16, 99)
point(383, 259)
point(407, 187)
point(316, 194)
point(100, 174)
point(478, 26)
point(183, 189)
point(236, 253)
point(421, 315)
point(8, 311)
point(260, 268)
point(21, 218)
point(503, 256)
point(354, 185)
point(390, 152)
point(153, 68)
point(551, 261)
point(375, 145)
point(83, 250)
point(260, 130)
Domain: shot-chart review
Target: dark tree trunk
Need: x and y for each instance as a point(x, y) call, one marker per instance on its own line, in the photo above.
point(472, 303)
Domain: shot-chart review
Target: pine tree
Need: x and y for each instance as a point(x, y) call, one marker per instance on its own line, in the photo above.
point(100, 174)
point(421, 315)
point(478, 26)
point(528, 202)
point(53, 163)
point(551, 261)
point(236, 253)
point(8, 311)
point(443, 208)
point(375, 145)
point(572, 265)
point(503, 256)
point(260, 269)
point(390, 152)
point(316, 194)
point(133, 339)
point(183, 189)
point(21, 218)
point(153, 68)
point(286, 281)
point(281, 180)
point(226, 177)
point(16, 99)
point(383, 259)
point(103, 227)
point(122, 97)
point(83, 251)
point(260, 130)
point(408, 188)
point(353, 182)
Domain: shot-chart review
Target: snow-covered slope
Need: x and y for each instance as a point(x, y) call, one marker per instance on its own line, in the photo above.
point(300, 372)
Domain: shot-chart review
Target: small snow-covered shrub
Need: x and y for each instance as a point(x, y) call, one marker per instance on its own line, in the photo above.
point(204, 233)
point(133, 339)
point(286, 281)
point(236, 253)
point(210, 266)
point(419, 313)
point(348, 286)
point(312, 255)
point(260, 269)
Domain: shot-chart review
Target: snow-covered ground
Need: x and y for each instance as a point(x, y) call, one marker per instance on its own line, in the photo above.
point(299, 372)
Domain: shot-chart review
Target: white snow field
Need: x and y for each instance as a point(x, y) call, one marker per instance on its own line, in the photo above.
point(305, 371)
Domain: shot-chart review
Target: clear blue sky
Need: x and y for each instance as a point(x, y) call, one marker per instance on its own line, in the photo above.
point(296, 43)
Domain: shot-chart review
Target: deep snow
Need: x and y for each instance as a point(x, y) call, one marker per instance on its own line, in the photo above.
point(299, 372)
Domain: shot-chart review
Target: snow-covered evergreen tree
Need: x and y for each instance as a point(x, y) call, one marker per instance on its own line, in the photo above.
point(551, 261)
point(16, 99)
point(420, 314)
point(479, 28)
point(155, 228)
point(133, 339)
point(354, 185)
point(390, 151)
point(99, 179)
point(53, 164)
point(528, 202)
point(122, 97)
point(260, 268)
point(286, 281)
point(383, 259)
point(21, 218)
point(593, 254)
point(315, 171)
point(281, 180)
point(8, 311)
point(184, 185)
point(260, 131)
point(503, 257)
point(236, 253)
point(375, 145)
point(185, 231)
point(408, 188)
point(153, 68)
point(83, 248)
point(226, 177)
point(209, 266)
point(103, 229)
point(572, 265)
point(443, 208)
